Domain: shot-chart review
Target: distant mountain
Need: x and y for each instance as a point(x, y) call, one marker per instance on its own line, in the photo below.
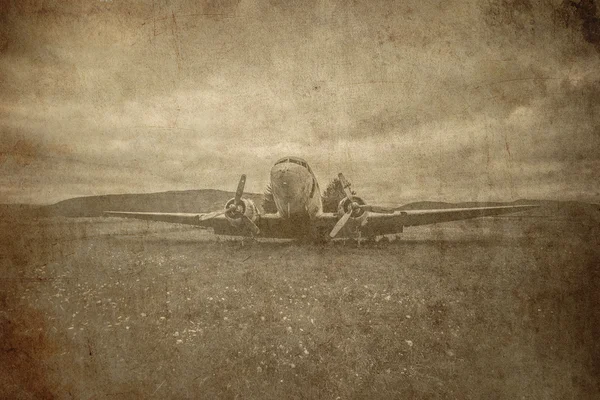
point(188, 201)
point(205, 200)
point(575, 210)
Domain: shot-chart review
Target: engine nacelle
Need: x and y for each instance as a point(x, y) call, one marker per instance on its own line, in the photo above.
point(345, 203)
point(247, 208)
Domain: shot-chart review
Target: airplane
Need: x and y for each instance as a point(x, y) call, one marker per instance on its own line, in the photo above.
point(300, 211)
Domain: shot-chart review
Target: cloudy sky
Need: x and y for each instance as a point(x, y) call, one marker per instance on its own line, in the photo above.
point(414, 100)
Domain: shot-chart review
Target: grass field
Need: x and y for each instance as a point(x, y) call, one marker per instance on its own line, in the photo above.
point(503, 308)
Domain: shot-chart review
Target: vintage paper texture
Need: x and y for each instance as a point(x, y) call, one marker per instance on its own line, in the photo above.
point(415, 101)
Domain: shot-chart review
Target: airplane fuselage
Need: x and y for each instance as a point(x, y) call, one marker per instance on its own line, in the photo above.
point(295, 189)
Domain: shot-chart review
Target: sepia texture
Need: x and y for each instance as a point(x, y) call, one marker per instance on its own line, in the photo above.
point(160, 106)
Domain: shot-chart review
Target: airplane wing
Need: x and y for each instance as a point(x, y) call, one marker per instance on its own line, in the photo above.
point(231, 220)
point(389, 223)
point(178, 218)
point(424, 217)
point(270, 225)
point(218, 223)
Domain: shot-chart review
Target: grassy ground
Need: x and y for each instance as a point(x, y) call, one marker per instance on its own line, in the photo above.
point(492, 308)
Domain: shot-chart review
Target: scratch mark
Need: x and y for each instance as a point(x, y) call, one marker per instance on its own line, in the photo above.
point(153, 19)
point(159, 386)
point(515, 80)
point(197, 15)
point(175, 33)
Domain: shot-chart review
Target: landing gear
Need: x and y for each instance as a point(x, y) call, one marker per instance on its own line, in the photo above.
point(365, 240)
point(384, 240)
point(387, 239)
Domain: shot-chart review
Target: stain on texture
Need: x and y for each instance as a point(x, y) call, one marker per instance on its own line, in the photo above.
point(422, 103)
point(586, 12)
point(23, 348)
point(518, 13)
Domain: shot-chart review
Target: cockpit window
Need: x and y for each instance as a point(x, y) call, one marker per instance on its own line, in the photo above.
point(295, 161)
point(298, 162)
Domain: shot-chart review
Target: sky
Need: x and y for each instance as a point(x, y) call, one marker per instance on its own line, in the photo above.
point(411, 100)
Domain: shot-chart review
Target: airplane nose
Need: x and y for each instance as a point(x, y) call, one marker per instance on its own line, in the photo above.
point(284, 176)
point(291, 187)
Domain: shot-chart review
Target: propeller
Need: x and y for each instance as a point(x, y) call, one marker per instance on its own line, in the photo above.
point(240, 190)
point(354, 207)
point(236, 209)
point(345, 185)
point(341, 223)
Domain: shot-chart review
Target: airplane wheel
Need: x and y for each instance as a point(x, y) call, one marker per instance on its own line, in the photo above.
point(384, 239)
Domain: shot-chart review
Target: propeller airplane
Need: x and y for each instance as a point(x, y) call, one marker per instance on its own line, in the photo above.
point(300, 211)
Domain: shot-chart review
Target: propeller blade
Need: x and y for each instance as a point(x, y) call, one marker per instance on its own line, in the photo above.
point(345, 185)
point(340, 224)
point(250, 225)
point(376, 209)
point(212, 215)
point(240, 190)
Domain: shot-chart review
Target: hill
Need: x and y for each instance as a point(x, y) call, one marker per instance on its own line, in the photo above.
point(205, 200)
point(187, 201)
point(547, 208)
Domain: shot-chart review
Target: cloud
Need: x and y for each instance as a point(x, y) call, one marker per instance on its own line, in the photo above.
point(416, 100)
